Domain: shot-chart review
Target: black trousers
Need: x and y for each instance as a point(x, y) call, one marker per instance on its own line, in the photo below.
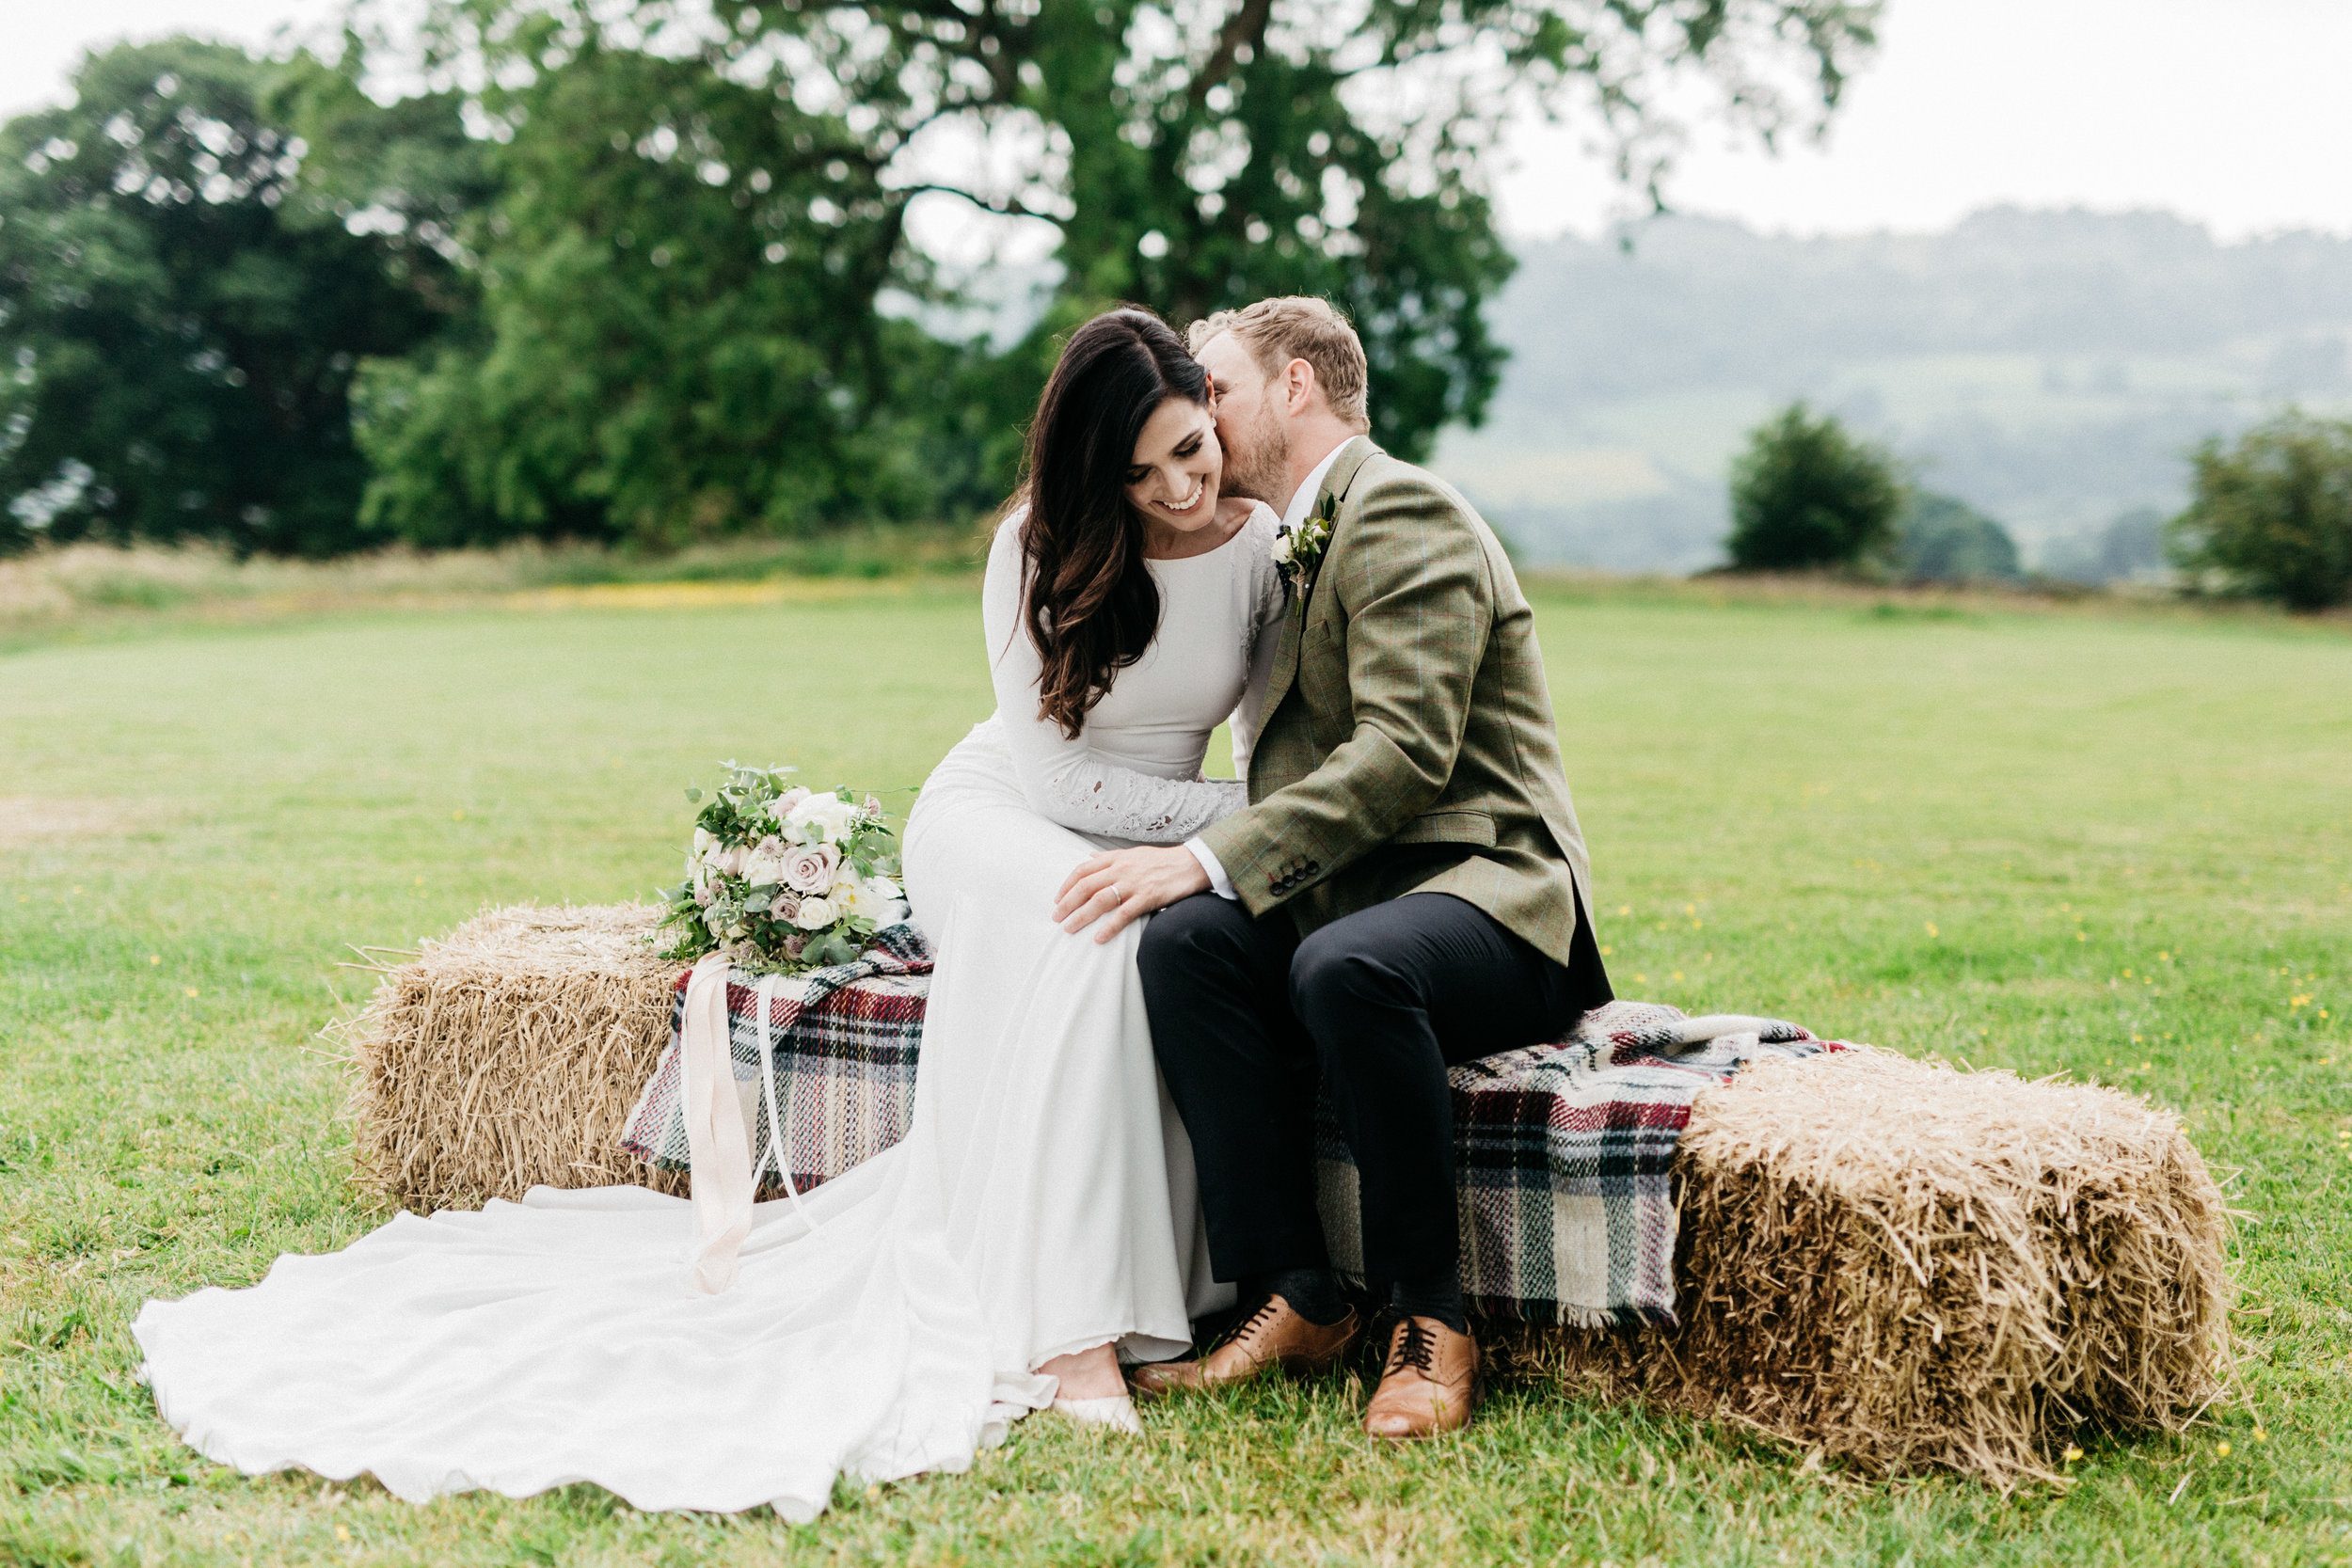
point(1246, 1019)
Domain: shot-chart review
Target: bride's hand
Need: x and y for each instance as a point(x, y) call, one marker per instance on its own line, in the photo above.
point(1115, 887)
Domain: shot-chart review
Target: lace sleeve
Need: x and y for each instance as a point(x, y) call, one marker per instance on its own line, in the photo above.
point(1063, 780)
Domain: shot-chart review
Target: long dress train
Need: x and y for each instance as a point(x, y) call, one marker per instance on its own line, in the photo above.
point(1041, 1202)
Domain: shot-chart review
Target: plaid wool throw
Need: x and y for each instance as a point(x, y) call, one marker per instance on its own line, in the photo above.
point(1562, 1156)
point(844, 1041)
point(1562, 1151)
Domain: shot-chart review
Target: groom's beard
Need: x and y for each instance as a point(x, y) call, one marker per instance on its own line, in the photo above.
point(1258, 466)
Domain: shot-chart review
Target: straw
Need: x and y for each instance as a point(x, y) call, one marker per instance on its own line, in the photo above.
point(508, 1054)
point(1911, 1268)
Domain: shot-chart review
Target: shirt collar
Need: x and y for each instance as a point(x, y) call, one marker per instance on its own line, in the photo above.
point(1303, 500)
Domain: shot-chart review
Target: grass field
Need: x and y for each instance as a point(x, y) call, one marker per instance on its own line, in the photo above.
point(2109, 845)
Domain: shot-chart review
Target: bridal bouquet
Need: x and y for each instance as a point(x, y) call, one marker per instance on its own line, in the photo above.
point(786, 878)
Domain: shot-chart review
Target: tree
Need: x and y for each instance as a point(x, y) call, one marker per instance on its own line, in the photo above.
point(1190, 157)
point(2272, 515)
point(1806, 494)
point(678, 333)
point(2129, 548)
point(1944, 539)
point(182, 316)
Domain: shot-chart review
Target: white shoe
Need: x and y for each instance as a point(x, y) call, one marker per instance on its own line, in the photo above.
point(1118, 1413)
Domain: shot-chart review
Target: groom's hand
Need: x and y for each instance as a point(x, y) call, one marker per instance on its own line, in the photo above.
point(1117, 887)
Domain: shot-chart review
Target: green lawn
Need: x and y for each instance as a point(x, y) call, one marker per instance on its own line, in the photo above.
point(2107, 845)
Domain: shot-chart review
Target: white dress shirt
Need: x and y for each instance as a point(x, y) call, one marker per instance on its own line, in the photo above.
point(1301, 503)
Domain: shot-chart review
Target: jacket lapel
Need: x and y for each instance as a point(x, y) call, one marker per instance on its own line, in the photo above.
point(1336, 481)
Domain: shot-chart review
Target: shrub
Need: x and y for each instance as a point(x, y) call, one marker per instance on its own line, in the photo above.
point(1807, 494)
point(2272, 515)
point(1944, 539)
point(2129, 548)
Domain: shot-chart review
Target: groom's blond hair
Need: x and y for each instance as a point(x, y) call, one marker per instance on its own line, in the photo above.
point(1297, 327)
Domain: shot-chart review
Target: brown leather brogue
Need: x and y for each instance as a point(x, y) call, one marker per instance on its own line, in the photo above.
point(1429, 1386)
point(1274, 1338)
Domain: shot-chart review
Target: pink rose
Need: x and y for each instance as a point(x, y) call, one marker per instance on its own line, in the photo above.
point(874, 807)
point(811, 869)
point(783, 907)
point(786, 802)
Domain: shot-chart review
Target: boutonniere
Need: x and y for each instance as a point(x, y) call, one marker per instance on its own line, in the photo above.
point(1296, 550)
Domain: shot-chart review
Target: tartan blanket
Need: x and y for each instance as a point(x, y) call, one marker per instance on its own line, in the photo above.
point(1562, 1158)
point(844, 1042)
point(1562, 1151)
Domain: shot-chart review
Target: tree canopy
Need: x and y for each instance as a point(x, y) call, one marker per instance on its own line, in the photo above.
point(647, 271)
point(1806, 493)
point(184, 314)
point(1944, 539)
point(2271, 515)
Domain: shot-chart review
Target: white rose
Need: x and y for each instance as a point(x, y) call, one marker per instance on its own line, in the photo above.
point(823, 818)
point(875, 898)
point(1284, 544)
point(763, 870)
point(704, 839)
point(814, 914)
point(782, 806)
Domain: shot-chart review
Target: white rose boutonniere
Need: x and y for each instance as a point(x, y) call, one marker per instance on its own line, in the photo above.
point(1299, 551)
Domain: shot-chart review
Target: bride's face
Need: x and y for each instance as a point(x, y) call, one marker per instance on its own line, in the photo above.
point(1174, 478)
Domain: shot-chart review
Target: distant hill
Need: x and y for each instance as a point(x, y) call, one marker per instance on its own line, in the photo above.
point(2049, 368)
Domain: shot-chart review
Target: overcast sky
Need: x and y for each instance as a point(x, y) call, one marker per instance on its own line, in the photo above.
point(2237, 113)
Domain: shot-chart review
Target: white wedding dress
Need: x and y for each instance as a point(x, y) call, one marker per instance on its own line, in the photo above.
point(1041, 1202)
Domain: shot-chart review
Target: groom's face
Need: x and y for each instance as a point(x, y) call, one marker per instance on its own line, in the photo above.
point(1249, 426)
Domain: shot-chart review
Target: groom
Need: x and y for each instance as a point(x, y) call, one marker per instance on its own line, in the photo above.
point(1403, 892)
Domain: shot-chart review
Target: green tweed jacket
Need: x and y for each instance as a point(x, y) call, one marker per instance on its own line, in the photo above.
point(1407, 743)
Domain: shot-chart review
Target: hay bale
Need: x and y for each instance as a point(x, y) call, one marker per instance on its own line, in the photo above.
point(1910, 1268)
point(1902, 1266)
point(507, 1056)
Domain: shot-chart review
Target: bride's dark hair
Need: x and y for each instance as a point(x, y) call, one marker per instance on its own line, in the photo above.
point(1092, 606)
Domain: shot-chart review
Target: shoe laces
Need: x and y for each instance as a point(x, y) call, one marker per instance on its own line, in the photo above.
point(1263, 1318)
point(1415, 1347)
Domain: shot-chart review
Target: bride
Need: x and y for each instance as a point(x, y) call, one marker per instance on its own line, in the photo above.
point(1039, 1217)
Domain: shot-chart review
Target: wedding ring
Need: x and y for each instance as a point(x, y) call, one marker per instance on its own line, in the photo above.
point(1118, 896)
